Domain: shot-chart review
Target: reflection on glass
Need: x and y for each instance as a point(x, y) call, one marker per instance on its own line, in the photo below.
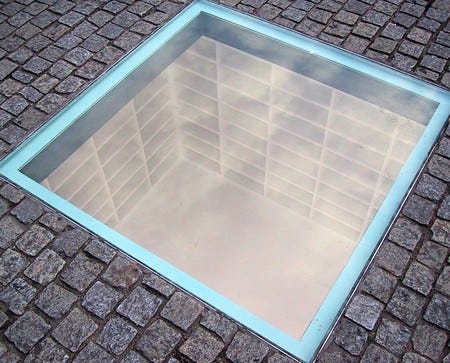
point(254, 179)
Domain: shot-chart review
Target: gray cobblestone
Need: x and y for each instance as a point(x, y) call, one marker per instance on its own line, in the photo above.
point(93, 354)
point(6, 67)
point(441, 232)
point(11, 263)
point(405, 233)
point(310, 27)
point(101, 299)
point(412, 357)
point(364, 310)
point(219, 324)
point(379, 283)
point(81, 272)
point(419, 209)
point(74, 330)
point(47, 351)
point(69, 242)
point(134, 357)
point(54, 221)
point(51, 102)
point(28, 330)
point(72, 18)
point(55, 301)
point(334, 354)
point(430, 187)
point(12, 134)
point(31, 118)
point(201, 346)
point(108, 54)
point(84, 30)
point(45, 83)
point(429, 341)
point(122, 272)
point(158, 341)
point(100, 250)
point(68, 41)
point(34, 240)
point(56, 31)
point(438, 311)
point(61, 69)
point(45, 267)
point(159, 284)
point(393, 336)
point(374, 353)
point(419, 278)
point(139, 306)
point(433, 255)
point(246, 348)
point(15, 104)
point(406, 305)
point(443, 282)
point(17, 295)
point(365, 30)
point(110, 31)
point(434, 63)
point(279, 358)
point(3, 318)
point(182, 310)
point(10, 230)
point(393, 258)
point(293, 14)
point(419, 35)
point(116, 336)
point(350, 336)
point(90, 70)
point(70, 85)
point(444, 209)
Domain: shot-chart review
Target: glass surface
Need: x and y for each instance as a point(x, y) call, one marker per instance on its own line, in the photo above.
point(251, 166)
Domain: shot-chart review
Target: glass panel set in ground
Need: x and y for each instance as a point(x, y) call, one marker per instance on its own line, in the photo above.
point(253, 176)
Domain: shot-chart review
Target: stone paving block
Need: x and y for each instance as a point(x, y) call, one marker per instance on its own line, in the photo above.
point(334, 354)
point(90, 70)
point(84, 29)
point(55, 301)
point(127, 40)
point(159, 284)
point(364, 310)
point(45, 267)
point(70, 84)
point(100, 250)
point(374, 353)
point(54, 221)
point(429, 341)
point(350, 336)
point(109, 54)
point(379, 283)
point(9, 357)
point(393, 335)
point(47, 351)
point(432, 255)
point(122, 272)
point(405, 233)
point(31, 117)
point(219, 324)
point(280, 358)
point(443, 282)
point(158, 341)
point(116, 335)
point(430, 187)
point(139, 306)
point(392, 258)
point(93, 354)
point(3, 318)
point(70, 241)
point(28, 330)
point(412, 357)
point(100, 18)
point(438, 311)
point(68, 42)
point(134, 357)
point(78, 56)
point(12, 134)
point(101, 299)
point(27, 211)
point(74, 330)
point(420, 278)
point(61, 69)
point(10, 230)
point(293, 14)
point(72, 18)
point(201, 346)
point(246, 348)
point(34, 240)
point(17, 295)
point(444, 210)
point(11, 263)
point(441, 232)
point(56, 31)
point(15, 105)
point(419, 209)
point(406, 305)
point(439, 167)
point(80, 273)
point(6, 67)
point(182, 310)
point(45, 83)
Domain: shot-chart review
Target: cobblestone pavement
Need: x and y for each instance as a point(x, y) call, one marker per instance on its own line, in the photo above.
point(65, 295)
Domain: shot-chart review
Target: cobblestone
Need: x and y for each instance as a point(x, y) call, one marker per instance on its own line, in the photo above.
point(429, 341)
point(405, 233)
point(74, 330)
point(11, 263)
point(100, 250)
point(116, 336)
point(374, 353)
point(432, 255)
point(219, 324)
point(55, 301)
point(351, 336)
point(430, 187)
point(139, 306)
point(419, 278)
point(182, 310)
point(10, 230)
point(419, 209)
point(406, 305)
point(438, 311)
point(28, 330)
point(379, 283)
point(17, 295)
point(441, 232)
point(158, 284)
point(101, 299)
point(201, 346)
point(364, 310)
point(93, 354)
point(122, 272)
point(393, 336)
point(444, 209)
point(81, 272)
point(246, 348)
point(34, 240)
point(443, 282)
point(54, 221)
point(158, 341)
point(393, 258)
point(15, 105)
point(69, 242)
point(45, 267)
point(47, 351)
